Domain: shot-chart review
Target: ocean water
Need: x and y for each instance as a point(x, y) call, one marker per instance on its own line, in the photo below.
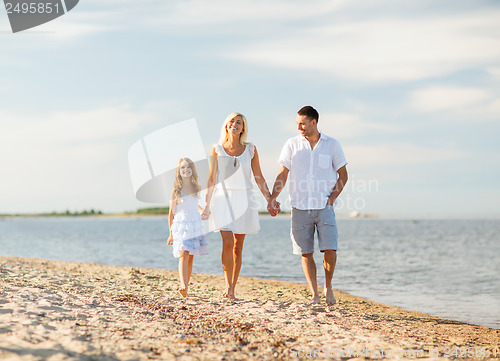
point(446, 268)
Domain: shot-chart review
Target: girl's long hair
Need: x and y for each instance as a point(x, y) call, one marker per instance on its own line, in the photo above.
point(178, 182)
point(223, 130)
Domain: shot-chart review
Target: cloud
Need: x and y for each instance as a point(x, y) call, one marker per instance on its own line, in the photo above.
point(396, 154)
point(485, 112)
point(196, 12)
point(495, 72)
point(76, 24)
point(342, 126)
point(439, 98)
point(73, 127)
point(345, 125)
point(188, 16)
point(66, 154)
point(384, 50)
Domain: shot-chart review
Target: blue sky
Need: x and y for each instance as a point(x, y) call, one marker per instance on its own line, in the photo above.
point(410, 89)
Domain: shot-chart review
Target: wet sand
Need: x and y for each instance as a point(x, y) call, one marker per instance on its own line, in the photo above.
point(79, 311)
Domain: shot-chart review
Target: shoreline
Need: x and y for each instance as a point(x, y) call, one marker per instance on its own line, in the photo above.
point(68, 309)
point(343, 216)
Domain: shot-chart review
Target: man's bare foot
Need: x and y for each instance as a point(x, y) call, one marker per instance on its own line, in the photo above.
point(330, 298)
point(183, 292)
point(315, 301)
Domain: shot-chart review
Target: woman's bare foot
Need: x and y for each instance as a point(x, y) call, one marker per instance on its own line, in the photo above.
point(183, 292)
point(330, 298)
point(315, 301)
point(229, 293)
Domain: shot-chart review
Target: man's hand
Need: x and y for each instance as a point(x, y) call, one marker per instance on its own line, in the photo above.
point(273, 207)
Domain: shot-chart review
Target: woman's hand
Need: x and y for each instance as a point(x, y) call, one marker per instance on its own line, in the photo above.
point(170, 240)
point(205, 214)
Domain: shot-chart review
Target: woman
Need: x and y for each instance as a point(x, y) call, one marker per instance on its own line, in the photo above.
point(229, 194)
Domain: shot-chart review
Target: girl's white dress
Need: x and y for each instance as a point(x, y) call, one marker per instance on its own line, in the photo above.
point(187, 228)
point(234, 206)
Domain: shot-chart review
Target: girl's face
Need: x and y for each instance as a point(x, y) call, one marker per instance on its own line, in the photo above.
point(235, 125)
point(185, 170)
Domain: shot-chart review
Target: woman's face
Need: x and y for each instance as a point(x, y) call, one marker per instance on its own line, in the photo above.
point(185, 170)
point(235, 125)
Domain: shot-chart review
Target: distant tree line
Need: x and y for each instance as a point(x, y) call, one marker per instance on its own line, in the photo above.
point(155, 211)
point(67, 213)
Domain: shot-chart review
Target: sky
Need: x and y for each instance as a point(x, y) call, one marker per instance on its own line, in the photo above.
point(410, 89)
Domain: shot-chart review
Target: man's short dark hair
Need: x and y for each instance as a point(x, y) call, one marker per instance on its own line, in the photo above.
point(309, 112)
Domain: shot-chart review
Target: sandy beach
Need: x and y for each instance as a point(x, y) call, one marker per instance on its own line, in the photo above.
point(78, 311)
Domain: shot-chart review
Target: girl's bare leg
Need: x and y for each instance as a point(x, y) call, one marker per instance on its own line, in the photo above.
point(190, 267)
point(184, 272)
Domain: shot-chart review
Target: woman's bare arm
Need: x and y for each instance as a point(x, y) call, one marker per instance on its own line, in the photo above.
point(259, 178)
point(211, 181)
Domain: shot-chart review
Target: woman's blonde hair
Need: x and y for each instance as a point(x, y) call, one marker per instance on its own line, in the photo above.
point(223, 131)
point(178, 182)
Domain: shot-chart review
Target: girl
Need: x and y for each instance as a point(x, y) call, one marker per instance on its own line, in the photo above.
point(184, 221)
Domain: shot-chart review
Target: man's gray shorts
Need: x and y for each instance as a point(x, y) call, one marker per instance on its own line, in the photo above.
point(306, 222)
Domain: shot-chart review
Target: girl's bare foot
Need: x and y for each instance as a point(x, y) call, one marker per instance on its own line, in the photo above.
point(183, 292)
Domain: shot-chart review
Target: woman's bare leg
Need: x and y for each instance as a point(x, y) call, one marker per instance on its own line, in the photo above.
point(227, 260)
point(238, 258)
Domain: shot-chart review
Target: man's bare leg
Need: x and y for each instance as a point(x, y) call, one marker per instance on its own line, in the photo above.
point(329, 261)
point(227, 261)
point(309, 267)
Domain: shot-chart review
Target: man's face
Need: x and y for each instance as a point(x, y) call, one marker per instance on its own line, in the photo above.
point(305, 125)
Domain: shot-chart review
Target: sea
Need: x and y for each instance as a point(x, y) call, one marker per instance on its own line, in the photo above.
point(448, 268)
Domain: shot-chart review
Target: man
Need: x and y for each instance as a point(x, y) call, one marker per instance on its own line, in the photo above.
point(317, 168)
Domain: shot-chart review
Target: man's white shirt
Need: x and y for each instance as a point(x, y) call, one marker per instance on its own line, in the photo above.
point(313, 172)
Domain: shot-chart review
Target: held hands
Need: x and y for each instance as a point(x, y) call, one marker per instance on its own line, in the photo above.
point(273, 207)
point(170, 240)
point(205, 214)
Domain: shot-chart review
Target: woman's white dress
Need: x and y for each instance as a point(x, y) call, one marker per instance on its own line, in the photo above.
point(233, 206)
point(187, 228)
